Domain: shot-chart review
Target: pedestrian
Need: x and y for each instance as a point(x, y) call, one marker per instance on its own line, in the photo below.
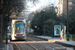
point(61, 35)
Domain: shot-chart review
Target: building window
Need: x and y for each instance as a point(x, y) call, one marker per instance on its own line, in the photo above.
point(70, 8)
point(73, 2)
point(70, 3)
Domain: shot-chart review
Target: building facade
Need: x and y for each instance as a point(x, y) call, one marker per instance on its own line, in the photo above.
point(71, 5)
point(60, 7)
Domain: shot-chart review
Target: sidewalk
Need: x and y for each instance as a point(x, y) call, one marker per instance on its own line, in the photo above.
point(49, 38)
point(4, 46)
point(69, 43)
point(57, 40)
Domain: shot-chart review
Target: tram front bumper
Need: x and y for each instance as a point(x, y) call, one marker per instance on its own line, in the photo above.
point(19, 37)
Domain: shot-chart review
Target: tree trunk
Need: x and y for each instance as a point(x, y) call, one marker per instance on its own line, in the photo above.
point(1, 25)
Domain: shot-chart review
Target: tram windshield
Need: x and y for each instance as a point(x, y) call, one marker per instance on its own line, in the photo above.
point(19, 26)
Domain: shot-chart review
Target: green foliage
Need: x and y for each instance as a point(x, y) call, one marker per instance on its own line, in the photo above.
point(48, 25)
point(72, 22)
point(51, 17)
point(63, 19)
point(38, 20)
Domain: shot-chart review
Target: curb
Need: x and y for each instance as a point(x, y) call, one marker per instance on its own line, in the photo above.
point(68, 45)
point(41, 38)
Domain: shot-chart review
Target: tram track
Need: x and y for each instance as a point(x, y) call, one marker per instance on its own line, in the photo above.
point(17, 46)
point(47, 45)
point(37, 45)
point(33, 43)
point(32, 46)
point(24, 46)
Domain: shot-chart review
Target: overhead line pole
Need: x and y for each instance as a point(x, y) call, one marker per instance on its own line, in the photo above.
point(7, 17)
point(67, 23)
point(44, 22)
point(52, 21)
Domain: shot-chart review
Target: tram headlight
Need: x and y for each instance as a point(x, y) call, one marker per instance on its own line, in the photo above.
point(22, 34)
point(15, 34)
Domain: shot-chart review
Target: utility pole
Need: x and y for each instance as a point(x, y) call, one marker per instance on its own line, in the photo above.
point(6, 29)
point(67, 23)
point(44, 22)
point(52, 21)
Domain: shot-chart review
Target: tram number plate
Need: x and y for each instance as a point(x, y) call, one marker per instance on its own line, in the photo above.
point(63, 48)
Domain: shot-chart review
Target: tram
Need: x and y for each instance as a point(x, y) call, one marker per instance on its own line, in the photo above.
point(18, 30)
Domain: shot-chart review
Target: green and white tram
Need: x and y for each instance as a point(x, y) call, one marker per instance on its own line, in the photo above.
point(18, 30)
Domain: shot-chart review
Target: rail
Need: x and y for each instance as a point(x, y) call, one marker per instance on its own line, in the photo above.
point(17, 47)
point(32, 46)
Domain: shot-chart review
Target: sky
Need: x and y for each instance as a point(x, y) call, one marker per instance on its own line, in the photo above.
point(40, 4)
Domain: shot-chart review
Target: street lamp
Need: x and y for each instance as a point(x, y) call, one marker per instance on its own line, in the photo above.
point(6, 29)
point(67, 23)
point(52, 22)
point(36, 28)
point(44, 22)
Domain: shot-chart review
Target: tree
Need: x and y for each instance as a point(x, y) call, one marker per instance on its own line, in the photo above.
point(72, 22)
point(38, 20)
point(48, 27)
point(71, 18)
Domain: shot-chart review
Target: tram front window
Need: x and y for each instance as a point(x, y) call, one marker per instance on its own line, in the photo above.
point(19, 27)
